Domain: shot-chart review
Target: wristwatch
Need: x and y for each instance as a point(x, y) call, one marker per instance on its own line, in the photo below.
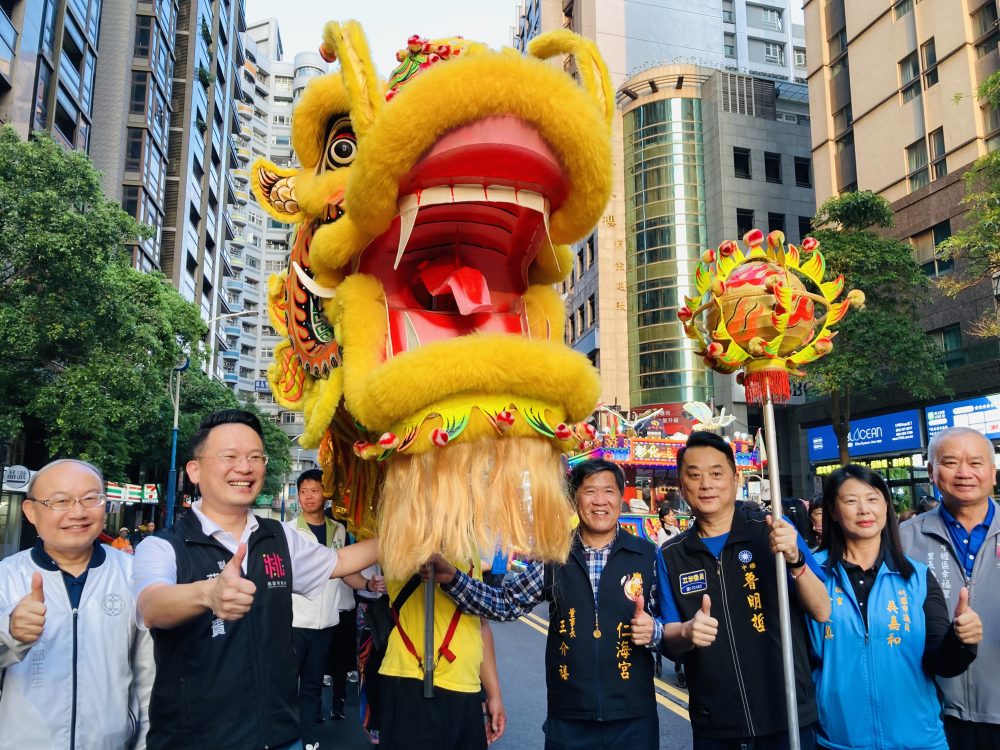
point(798, 563)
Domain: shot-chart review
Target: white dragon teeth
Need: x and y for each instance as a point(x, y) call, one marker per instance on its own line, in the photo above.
point(311, 284)
point(445, 194)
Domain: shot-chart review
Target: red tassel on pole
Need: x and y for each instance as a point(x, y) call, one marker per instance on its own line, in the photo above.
point(769, 380)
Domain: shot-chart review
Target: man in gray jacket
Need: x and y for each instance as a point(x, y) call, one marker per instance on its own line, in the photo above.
point(960, 541)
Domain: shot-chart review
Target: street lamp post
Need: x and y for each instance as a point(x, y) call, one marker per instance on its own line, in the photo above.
point(175, 398)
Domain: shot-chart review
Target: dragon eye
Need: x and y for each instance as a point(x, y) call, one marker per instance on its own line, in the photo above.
point(341, 151)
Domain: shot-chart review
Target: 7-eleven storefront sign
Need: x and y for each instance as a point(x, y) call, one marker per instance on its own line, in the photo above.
point(132, 493)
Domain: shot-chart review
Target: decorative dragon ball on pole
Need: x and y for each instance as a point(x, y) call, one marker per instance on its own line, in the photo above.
point(767, 311)
point(754, 311)
point(424, 339)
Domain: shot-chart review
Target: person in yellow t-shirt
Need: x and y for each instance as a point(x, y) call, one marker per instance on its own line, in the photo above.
point(464, 669)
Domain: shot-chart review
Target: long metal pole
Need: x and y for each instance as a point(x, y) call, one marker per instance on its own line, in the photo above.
point(784, 616)
point(429, 633)
point(172, 477)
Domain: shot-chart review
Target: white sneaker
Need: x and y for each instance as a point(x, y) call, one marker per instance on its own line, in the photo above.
point(327, 680)
point(352, 676)
point(314, 746)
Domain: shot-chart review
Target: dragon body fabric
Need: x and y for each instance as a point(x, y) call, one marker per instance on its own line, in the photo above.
point(424, 335)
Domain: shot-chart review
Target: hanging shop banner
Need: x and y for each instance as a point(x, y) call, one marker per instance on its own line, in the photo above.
point(981, 414)
point(888, 433)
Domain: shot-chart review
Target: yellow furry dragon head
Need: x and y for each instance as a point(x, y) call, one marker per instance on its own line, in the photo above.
point(424, 336)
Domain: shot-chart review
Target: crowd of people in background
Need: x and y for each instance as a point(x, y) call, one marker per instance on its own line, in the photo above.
point(895, 622)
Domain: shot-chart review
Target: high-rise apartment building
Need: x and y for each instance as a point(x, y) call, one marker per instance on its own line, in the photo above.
point(48, 59)
point(129, 143)
point(713, 139)
point(892, 90)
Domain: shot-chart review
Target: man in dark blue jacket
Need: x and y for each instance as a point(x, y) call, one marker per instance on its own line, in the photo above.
point(598, 660)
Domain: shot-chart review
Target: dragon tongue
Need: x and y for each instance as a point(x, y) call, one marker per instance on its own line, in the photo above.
point(467, 285)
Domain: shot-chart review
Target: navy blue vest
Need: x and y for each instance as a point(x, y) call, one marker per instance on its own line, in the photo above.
point(605, 677)
point(219, 684)
point(736, 684)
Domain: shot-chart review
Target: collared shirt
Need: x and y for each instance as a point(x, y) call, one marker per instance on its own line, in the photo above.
point(862, 581)
point(74, 584)
point(967, 543)
point(312, 564)
point(525, 591)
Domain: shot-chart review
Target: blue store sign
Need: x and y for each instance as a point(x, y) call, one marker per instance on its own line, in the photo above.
point(888, 433)
point(981, 414)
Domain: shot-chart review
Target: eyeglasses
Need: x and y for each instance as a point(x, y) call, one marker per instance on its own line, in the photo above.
point(61, 502)
point(230, 460)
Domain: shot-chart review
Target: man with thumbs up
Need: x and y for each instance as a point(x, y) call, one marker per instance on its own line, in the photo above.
point(77, 669)
point(598, 656)
point(216, 591)
point(720, 608)
point(960, 542)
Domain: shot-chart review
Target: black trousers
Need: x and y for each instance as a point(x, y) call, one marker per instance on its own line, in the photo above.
point(448, 721)
point(344, 655)
point(778, 741)
point(312, 652)
point(969, 735)
point(639, 733)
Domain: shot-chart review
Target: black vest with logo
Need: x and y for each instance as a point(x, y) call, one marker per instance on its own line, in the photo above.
point(601, 678)
point(222, 685)
point(736, 685)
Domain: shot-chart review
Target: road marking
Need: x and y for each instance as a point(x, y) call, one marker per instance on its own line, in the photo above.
point(660, 687)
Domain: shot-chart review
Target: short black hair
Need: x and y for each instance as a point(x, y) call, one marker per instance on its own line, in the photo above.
point(315, 475)
point(592, 466)
point(705, 439)
point(219, 418)
point(833, 534)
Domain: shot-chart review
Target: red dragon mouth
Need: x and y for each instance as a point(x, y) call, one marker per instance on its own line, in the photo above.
point(473, 217)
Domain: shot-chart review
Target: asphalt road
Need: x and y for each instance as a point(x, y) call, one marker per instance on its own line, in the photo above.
point(520, 657)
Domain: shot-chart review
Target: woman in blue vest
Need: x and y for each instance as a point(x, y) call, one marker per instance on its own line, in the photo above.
point(889, 631)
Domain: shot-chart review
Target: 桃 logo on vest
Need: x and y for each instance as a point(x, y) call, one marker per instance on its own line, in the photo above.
point(113, 604)
point(745, 556)
point(693, 582)
point(274, 569)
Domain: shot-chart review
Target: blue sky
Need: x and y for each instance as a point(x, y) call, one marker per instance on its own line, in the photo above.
point(388, 23)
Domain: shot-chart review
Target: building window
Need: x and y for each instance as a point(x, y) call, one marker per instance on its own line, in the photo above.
point(137, 99)
point(143, 28)
point(984, 26)
point(805, 227)
point(744, 221)
point(133, 150)
point(772, 19)
point(775, 222)
point(839, 66)
point(774, 53)
point(901, 8)
point(591, 311)
point(925, 247)
point(991, 124)
point(843, 118)
point(917, 174)
point(741, 163)
point(803, 172)
point(727, 11)
point(929, 57)
point(838, 43)
point(939, 164)
point(800, 57)
point(909, 77)
point(729, 46)
point(949, 341)
point(772, 167)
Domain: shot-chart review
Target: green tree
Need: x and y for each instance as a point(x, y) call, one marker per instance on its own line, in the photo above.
point(200, 396)
point(88, 342)
point(978, 244)
point(883, 342)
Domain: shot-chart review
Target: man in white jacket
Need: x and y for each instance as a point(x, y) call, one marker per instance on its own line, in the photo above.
point(77, 670)
point(314, 620)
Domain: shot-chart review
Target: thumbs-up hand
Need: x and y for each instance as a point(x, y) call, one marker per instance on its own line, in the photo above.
point(642, 624)
point(232, 594)
point(968, 626)
point(28, 618)
point(700, 630)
